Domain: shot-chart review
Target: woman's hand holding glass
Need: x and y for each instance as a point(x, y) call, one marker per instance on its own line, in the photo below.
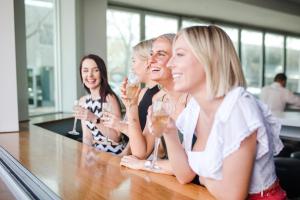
point(130, 90)
point(84, 114)
point(132, 162)
point(110, 120)
point(158, 118)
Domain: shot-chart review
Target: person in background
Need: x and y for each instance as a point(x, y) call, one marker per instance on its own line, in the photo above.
point(276, 96)
point(229, 136)
point(140, 66)
point(93, 74)
point(142, 142)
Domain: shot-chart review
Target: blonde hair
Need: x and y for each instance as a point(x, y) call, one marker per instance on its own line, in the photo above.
point(168, 36)
point(143, 49)
point(214, 49)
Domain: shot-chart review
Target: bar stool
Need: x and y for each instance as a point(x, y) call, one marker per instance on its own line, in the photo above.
point(288, 172)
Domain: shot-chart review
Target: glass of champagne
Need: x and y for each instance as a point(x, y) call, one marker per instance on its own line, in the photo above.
point(161, 111)
point(106, 107)
point(73, 131)
point(132, 85)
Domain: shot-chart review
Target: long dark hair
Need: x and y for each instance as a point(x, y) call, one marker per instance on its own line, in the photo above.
point(105, 88)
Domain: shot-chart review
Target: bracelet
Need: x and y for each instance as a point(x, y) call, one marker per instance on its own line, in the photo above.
point(98, 121)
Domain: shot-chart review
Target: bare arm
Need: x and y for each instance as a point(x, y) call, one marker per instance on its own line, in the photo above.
point(137, 140)
point(293, 99)
point(177, 154)
point(135, 163)
point(237, 171)
point(141, 143)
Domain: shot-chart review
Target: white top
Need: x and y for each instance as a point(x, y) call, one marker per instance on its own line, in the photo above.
point(239, 115)
point(276, 97)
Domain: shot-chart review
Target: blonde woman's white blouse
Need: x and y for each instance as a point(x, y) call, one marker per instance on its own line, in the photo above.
point(238, 116)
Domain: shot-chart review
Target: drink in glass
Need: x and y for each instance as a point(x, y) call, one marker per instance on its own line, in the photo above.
point(132, 85)
point(73, 131)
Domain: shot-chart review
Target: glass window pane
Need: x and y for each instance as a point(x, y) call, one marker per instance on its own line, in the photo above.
point(40, 56)
point(293, 63)
point(191, 22)
point(157, 25)
point(233, 33)
point(123, 32)
point(252, 59)
point(273, 56)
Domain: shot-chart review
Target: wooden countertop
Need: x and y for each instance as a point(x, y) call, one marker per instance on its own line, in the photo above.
point(73, 170)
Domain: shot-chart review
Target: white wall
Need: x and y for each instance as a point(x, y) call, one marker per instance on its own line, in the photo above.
point(82, 31)
point(68, 52)
point(94, 21)
point(8, 84)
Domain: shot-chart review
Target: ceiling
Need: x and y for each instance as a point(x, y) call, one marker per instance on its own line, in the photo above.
point(285, 6)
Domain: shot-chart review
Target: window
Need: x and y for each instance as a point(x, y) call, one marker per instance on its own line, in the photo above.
point(293, 63)
point(158, 25)
point(193, 22)
point(274, 56)
point(40, 56)
point(123, 32)
point(259, 67)
point(252, 59)
point(233, 33)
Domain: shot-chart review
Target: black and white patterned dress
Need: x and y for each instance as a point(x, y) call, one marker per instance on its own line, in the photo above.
point(105, 144)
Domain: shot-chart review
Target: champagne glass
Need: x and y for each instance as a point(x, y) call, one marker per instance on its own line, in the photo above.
point(161, 111)
point(73, 131)
point(106, 107)
point(132, 86)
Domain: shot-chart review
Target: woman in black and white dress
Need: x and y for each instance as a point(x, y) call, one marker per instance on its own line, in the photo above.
point(93, 74)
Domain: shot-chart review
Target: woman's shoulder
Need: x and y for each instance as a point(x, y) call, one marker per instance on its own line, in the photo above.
point(111, 97)
point(83, 99)
point(143, 91)
point(158, 95)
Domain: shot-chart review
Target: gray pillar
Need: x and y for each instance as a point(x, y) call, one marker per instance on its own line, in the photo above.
point(20, 36)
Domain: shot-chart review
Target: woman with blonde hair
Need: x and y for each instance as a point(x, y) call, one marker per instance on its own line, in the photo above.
point(230, 137)
point(142, 142)
point(143, 97)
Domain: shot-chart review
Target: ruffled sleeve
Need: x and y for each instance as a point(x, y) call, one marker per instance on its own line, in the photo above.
point(248, 116)
point(238, 117)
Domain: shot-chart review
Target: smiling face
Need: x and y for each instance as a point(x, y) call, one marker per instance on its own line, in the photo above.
point(90, 74)
point(160, 54)
point(188, 73)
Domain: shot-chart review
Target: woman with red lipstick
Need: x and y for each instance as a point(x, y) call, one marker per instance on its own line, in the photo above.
point(93, 74)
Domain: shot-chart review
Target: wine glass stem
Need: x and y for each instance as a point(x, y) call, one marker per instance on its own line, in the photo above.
point(157, 141)
point(74, 125)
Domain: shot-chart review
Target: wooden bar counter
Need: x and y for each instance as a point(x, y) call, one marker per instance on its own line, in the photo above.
point(73, 170)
